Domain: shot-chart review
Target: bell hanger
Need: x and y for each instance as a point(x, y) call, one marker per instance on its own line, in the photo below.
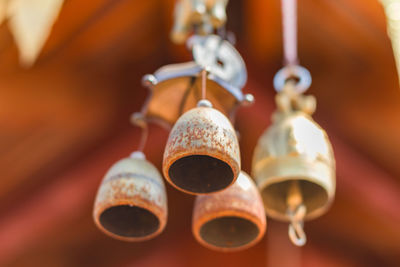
point(181, 83)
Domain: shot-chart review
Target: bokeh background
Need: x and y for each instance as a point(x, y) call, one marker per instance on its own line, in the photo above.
point(65, 121)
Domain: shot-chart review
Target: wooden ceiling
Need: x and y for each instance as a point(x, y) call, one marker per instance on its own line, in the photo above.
point(65, 121)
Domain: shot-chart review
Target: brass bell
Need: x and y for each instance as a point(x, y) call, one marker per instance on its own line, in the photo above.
point(232, 219)
point(294, 165)
point(131, 203)
point(202, 152)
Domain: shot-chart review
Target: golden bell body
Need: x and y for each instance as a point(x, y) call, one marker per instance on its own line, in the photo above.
point(232, 219)
point(202, 153)
point(131, 203)
point(294, 148)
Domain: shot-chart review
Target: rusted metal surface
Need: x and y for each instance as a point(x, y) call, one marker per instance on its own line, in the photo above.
point(131, 203)
point(295, 148)
point(202, 153)
point(230, 220)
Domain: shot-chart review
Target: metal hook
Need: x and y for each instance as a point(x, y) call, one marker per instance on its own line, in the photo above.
point(296, 212)
point(296, 231)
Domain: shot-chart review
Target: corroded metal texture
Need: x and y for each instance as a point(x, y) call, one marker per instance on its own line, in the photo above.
point(294, 148)
point(131, 203)
point(202, 153)
point(232, 219)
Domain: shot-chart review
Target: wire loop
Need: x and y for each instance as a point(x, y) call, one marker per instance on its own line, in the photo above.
point(296, 231)
point(298, 73)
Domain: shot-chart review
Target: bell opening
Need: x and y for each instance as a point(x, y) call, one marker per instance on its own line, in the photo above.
point(201, 174)
point(275, 195)
point(129, 221)
point(229, 232)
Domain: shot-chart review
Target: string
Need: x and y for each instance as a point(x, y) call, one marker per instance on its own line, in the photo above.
point(139, 120)
point(203, 83)
point(289, 25)
point(143, 137)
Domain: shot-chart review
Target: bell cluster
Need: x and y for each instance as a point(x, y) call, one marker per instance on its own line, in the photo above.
point(293, 165)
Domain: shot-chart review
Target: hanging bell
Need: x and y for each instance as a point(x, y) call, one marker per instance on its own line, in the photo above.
point(294, 165)
point(131, 203)
point(232, 219)
point(202, 152)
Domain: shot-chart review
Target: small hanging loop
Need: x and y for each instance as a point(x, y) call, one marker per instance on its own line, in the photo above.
point(298, 73)
point(296, 231)
point(296, 212)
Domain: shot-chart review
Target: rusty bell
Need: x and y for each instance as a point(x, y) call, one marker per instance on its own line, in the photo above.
point(232, 219)
point(131, 203)
point(202, 153)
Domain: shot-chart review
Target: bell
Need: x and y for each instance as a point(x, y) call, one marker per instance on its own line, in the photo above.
point(232, 219)
point(202, 153)
point(131, 203)
point(294, 165)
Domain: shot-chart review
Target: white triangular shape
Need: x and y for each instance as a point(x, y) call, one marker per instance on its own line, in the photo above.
point(30, 22)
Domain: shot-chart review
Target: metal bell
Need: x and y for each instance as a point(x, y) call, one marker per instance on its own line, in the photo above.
point(131, 203)
point(202, 152)
point(232, 219)
point(294, 165)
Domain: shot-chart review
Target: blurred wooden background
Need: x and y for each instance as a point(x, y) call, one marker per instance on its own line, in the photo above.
point(65, 121)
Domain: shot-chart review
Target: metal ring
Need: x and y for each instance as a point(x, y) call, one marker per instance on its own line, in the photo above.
point(288, 72)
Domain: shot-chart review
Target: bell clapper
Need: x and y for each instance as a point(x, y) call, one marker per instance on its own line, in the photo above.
point(296, 212)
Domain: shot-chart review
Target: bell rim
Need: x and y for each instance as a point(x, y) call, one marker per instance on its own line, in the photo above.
point(309, 215)
point(200, 221)
point(161, 213)
point(167, 163)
